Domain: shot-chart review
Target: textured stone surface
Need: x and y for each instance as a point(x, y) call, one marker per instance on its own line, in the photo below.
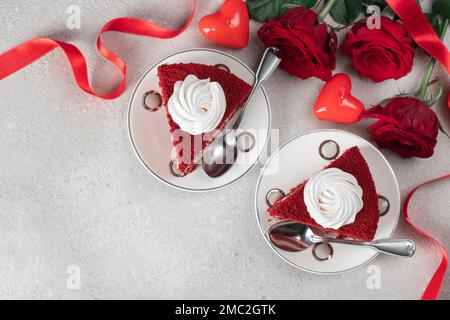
point(73, 193)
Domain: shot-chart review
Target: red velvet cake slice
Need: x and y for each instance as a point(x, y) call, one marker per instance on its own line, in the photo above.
point(236, 91)
point(293, 206)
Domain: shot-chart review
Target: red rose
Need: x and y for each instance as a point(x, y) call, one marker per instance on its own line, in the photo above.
point(405, 125)
point(380, 54)
point(306, 46)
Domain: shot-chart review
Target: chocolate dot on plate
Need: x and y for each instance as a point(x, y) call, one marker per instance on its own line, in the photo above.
point(173, 169)
point(152, 101)
point(274, 195)
point(329, 150)
point(322, 251)
point(383, 205)
point(245, 141)
point(222, 66)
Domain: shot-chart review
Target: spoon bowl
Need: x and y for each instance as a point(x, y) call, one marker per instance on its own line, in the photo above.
point(289, 236)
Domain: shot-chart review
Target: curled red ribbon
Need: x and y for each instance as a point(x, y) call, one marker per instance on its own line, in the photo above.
point(28, 52)
point(434, 286)
point(421, 30)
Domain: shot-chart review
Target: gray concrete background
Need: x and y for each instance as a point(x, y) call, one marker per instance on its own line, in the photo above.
point(73, 193)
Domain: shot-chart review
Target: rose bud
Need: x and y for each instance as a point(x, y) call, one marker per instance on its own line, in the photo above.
point(306, 46)
point(405, 125)
point(380, 54)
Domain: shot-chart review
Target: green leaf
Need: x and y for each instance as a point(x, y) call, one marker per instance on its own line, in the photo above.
point(434, 21)
point(441, 128)
point(346, 11)
point(380, 3)
point(263, 10)
point(442, 7)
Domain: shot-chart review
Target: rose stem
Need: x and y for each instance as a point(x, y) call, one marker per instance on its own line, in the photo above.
point(326, 10)
point(426, 77)
point(316, 7)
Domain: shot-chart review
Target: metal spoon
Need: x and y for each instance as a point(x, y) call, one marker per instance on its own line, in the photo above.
point(295, 237)
point(221, 154)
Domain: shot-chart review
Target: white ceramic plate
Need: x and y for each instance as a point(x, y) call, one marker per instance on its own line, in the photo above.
point(149, 131)
point(299, 159)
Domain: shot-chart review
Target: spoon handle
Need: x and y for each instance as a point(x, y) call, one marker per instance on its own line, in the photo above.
point(396, 247)
point(269, 63)
point(404, 248)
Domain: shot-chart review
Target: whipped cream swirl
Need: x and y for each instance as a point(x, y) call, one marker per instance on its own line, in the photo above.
point(197, 106)
point(333, 198)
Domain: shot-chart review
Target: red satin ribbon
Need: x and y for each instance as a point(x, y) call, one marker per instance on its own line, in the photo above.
point(28, 52)
point(421, 30)
point(434, 286)
point(425, 36)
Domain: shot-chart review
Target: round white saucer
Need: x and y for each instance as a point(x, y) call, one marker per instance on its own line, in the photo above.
point(149, 131)
point(299, 159)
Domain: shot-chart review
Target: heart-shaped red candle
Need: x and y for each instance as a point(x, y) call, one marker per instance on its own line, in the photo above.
point(229, 26)
point(336, 103)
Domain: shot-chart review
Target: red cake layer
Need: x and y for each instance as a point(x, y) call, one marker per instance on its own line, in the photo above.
point(235, 89)
point(293, 206)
